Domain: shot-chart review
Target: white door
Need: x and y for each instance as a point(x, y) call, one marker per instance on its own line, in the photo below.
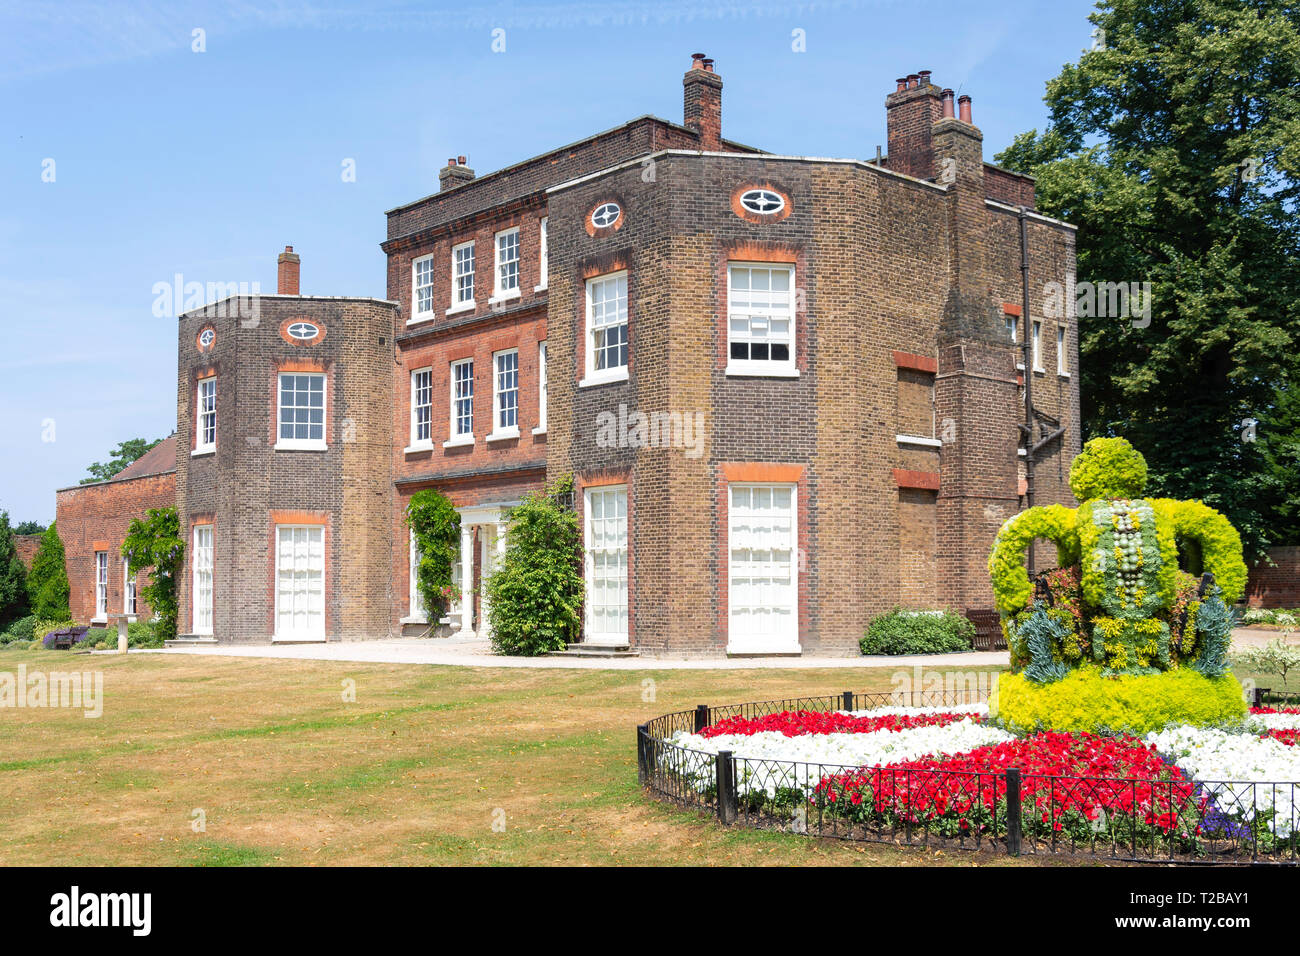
point(606, 546)
point(763, 580)
point(300, 583)
point(202, 598)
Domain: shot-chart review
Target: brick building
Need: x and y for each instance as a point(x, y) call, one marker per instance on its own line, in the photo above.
point(92, 522)
point(791, 391)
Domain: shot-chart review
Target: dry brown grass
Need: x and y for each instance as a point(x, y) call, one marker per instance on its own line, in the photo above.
point(286, 772)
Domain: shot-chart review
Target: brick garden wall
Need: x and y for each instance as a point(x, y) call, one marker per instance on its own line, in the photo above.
point(1276, 585)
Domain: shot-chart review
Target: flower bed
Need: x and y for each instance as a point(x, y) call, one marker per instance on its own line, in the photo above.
point(952, 773)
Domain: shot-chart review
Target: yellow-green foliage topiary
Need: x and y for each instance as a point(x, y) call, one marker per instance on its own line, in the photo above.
point(1085, 700)
point(1108, 468)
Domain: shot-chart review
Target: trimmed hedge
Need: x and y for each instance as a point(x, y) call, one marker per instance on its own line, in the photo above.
point(918, 632)
point(1085, 700)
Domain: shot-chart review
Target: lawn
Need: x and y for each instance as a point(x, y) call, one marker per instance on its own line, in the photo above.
point(416, 771)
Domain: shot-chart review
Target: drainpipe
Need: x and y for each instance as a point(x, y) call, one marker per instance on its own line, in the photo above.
point(1026, 348)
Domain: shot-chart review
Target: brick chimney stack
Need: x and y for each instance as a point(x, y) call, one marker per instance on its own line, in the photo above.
point(910, 111)
point(702, 97)
point(286, 275)
point(454, 174)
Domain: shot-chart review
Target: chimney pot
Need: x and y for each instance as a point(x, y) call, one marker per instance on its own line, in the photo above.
point(454, 174)
point(287, 272)
point(697, 61)
point(925, 77)
point(912, 79)
point(963, 102)
point(902, 84)
point(947, 104)
point(708, 64)
point(461, 160)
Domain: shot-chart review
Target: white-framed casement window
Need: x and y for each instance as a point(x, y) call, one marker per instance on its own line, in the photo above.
point(762, 590)
point(1062, 359)
point(607, 331)
point(505, 394)
point(541, 389)
point(507, 265)
point(422, 408)
point(1038, 345)
point(760, 319)
point(302, 411)
point(101, 585)
point(543, 269)
point(462, 277)
point(128, 588)
point(605, 542)
point(462, 403)
point(1011, 327)
point(205, 416)
point(201, 590)
point(299, 582)
point(421, 288)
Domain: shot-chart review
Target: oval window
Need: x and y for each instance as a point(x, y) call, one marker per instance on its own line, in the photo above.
point(207, 337)
point(303, 330)
point(765, 202)
point(606, 214)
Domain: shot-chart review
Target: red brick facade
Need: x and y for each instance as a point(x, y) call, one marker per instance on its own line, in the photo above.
point(1275, 583)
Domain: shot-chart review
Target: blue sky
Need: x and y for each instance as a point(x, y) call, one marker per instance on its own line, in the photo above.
point(208, 163)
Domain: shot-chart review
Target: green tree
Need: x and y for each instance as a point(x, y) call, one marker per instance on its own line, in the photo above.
point(154, 543)
point(536, 595)
point(47, 582)
point(13, 577)
point(1175, 147)
point(29, 527)
point(436, 527)
point(123, 455)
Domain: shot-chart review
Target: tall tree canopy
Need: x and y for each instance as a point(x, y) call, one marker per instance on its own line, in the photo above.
point(1175, 147)
point(123, 455)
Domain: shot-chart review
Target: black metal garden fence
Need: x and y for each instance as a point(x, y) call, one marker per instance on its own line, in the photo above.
point(1009, 811)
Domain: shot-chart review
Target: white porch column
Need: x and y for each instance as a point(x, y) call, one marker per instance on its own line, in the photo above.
point(466, 580)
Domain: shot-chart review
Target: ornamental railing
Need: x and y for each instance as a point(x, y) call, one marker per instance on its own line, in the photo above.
point(1010, 811)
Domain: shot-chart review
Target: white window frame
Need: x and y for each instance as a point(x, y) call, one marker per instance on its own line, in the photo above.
point(500, 431)
point(201, 566)
point(618, 373)
point(302, 444)
point(542, 375)
point(314, 634)
point(786, 643)
point(419, 443)
point(418, 314)
point(766, 368)
point(1013, 328)
point(460, 302)
point(129, 602)
point(1062, 345)
point(458, 437)
point(101, 585)
point(1037, 326)
point(500, 292)
point(543, 268)
point(202, 414)
point(605, 637)
point(418, 613)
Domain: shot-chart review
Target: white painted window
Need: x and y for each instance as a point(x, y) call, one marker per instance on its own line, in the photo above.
point(762, 201)
point(762, 590)
point(202, 587)
point(541, 387)
point(607, 332)
point(760, 319)
point(302, 410)
point(101, 585)
point(1062, 360)
point(205, 421)
point(1038, 345)
point(300, 582)
point(462, 274)
point(421, 407)
point(128, 588)
point(421, 287)
point(507, 270)
point(543, 267)
point(418, 611)
point(606, 560)
point(606, 214)
point(462, 399)
point(1011, 327)
point(505, 392)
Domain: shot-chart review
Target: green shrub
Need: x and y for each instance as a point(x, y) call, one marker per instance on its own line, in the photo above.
point(47, 582)
point(43, 627)
point(14, 600)
point(918, 632)
point(23, 629)
point(154, 542)
point(536, 596)
point(143, 633)
point(435, 526)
